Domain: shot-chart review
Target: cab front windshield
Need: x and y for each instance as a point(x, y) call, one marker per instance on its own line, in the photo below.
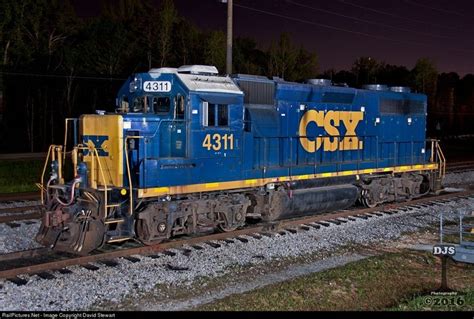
point(151, 104)
point(157, 104)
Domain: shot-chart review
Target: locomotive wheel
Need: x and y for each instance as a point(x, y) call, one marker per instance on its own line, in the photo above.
point(142, 230)
point(228, 227)
point(144, 235)
point(366, 200)
point(92, 237)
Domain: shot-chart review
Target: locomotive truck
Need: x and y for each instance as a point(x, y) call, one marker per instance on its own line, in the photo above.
point(188, 151)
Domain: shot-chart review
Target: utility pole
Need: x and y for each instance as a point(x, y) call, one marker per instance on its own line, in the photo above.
point(229, 35)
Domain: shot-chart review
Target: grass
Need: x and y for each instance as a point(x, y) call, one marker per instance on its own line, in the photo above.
point(391, 281)
point(232, 275)
point(435, 302)
point(20, 176)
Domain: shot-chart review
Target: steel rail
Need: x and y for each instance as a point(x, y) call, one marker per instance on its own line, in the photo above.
point(11, 197)
point(11, 214)
point(259, 228)
point(7, 210)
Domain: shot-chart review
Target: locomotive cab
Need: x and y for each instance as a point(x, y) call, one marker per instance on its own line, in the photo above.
point(169, 126)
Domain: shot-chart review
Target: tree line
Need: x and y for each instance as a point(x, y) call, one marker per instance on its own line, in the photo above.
point(56, 64)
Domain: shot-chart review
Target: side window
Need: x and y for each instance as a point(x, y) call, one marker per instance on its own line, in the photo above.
point(211, 115)
point(139, 104)
point(247, 122)
point(205, 113)
point(180, 107)
point(124, 104)
point(215, 114)
point(222, 115)
point(161, 104)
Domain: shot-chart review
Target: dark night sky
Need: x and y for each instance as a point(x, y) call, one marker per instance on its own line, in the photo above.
point(339, 31)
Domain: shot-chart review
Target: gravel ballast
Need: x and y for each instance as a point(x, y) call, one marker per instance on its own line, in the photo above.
point(83, 288)
point(463, 178)
point(20, 237)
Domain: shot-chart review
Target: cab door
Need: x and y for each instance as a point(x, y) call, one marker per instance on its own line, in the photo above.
point(172, 131)
point(217, 136)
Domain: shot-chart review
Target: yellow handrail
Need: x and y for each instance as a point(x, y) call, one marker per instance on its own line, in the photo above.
point(55, 151)
point(44, 172)
point(104, 180)
point(442, 160)
point(437, 156)
point(65, 134)
point(74, 160)
point(60, 164)
point(129, 174)
point(93, 180)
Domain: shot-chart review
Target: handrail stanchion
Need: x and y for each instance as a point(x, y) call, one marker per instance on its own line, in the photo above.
point(129, 174)
point(60, 165)
point(96, 154)
point(44, 172)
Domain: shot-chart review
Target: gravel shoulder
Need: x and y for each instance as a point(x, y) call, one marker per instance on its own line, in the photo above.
point(260, 281)
point(393, 280)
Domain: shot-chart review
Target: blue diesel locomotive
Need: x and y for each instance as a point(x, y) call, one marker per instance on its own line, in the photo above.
point(188, 151)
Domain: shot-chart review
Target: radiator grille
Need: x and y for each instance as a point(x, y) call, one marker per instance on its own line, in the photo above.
point(258, 92)
point(404, 106)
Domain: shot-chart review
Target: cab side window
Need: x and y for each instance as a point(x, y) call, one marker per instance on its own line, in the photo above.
point(161, 104)
point(124, 106)
point(211, 115)
point(215, 114)
point(180, 107)
point(139, 104)
point(222, 115)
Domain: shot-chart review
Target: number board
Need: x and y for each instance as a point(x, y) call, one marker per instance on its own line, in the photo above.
point(157, 86)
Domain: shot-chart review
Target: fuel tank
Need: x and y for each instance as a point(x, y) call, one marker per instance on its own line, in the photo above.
point(322, 199)
point(309, 201)
point(322, 182)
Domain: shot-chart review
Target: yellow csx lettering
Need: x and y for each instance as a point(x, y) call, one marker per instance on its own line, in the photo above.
point(330, 121)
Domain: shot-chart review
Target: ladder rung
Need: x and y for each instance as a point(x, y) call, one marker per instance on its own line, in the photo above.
point(113, 205)
point(114, 221)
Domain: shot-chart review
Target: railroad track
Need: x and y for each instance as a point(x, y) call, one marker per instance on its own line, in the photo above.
point(22, 212)
point(459, 167)
point(15, 197)
point(22, 156)
point(19, 213)
point(43, 260)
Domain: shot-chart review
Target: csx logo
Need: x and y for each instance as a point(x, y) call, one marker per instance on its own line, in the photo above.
point(98, 143)
point(331, 122)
